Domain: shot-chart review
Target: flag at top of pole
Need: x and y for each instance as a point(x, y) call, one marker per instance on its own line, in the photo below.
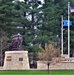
point(72, 9)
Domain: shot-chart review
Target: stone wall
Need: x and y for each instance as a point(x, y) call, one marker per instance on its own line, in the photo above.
point(16, 60)
point(67, 64)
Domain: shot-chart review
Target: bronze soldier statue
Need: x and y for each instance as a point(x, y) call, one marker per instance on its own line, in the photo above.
point(17, 42)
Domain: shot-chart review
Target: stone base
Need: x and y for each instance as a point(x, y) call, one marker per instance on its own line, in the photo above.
point(65, 64)
point(16, 60)
point(65, 55)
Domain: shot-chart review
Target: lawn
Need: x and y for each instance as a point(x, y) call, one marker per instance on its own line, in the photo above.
point(37, 72)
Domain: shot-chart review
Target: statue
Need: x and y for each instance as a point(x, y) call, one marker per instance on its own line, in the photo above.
point(17, 42)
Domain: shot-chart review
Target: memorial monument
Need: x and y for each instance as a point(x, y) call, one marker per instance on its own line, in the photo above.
point(16, 58)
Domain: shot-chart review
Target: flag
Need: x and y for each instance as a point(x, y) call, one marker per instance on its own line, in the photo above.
point(66, 23)
point(72, 9)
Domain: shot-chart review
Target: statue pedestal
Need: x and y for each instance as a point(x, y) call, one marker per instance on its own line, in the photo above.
point(16, 60)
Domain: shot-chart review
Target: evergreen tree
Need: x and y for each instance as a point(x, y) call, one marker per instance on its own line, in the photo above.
point(49, 24)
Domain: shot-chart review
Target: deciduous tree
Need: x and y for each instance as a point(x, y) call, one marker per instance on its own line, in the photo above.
point(47, 55)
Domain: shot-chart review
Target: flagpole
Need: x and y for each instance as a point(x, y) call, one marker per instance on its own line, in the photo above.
point(62, 35)
point(68, 29)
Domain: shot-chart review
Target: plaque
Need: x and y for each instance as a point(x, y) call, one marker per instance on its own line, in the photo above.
point(8, 56)
point(20, 59)
point(8, 59)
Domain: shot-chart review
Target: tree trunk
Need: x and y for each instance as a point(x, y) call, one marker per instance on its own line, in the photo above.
point(48, 68)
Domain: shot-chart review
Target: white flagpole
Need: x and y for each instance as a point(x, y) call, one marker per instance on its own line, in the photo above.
point(68, 29)
point(62, 35)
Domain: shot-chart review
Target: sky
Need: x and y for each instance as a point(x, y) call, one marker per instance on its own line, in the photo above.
point(39, 0)
point(29, 17)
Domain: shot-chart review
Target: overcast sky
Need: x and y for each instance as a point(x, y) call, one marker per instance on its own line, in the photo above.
point(39, 0)
point(29, 17)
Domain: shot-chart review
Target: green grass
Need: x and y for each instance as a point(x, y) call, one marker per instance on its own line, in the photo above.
point(37, 72)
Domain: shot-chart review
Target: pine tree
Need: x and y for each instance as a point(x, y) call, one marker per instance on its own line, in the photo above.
point(48, 23)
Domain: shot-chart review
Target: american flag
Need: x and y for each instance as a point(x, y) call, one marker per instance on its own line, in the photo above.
point(71, 9)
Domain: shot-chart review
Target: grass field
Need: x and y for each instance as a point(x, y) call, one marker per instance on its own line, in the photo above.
point(37, 72)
